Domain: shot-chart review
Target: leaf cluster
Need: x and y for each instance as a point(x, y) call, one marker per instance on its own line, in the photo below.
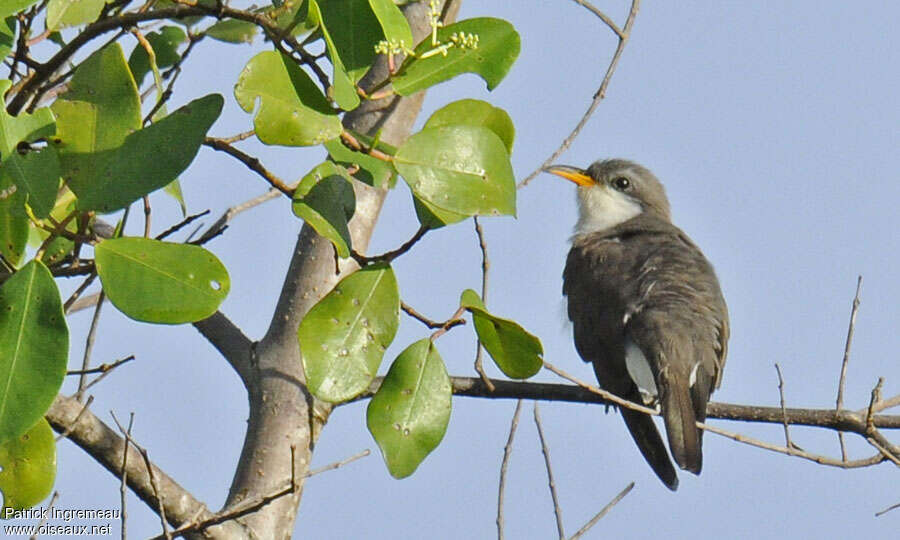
point(83, 142)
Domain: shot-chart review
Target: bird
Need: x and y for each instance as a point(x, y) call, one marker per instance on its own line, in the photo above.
point(646, 309)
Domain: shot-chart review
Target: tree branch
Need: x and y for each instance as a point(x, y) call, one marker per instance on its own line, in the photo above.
point(230, 341)
point(844, 420)
point(66, 415)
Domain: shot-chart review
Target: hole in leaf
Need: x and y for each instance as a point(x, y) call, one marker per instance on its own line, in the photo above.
point(216, 286)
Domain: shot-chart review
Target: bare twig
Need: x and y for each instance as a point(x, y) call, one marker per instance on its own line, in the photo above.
point(507, 452)
point(603, 17)
point(485, 266)
point(821, 460)
point(253, 505)
point(68, 306)
point(88, 348)
point(557, 510)
point(839, 404)
point(430, 323)
point(598, 96)
point(884, 451)
point(608, 396)
point(180, 225)
point(102, 368)
point(389, 256)
point(888, 509)
point(605, 510)
point(787, 431)
point(444, 329)
point(45, 515)
point(338, 464)
point(159, 508)
point(123, 492)
point(251, 162)
point(222, 223)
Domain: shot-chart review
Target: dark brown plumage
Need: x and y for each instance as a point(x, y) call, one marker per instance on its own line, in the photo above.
point(641, 293)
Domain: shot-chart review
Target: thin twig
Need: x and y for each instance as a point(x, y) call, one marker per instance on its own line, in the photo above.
point(70, 427)
point(839, 404)
point(389, 256)
point(88, 348)
point(888, 509)
point(605, 510)
point(123, 485)
point(251, 162)
point(608, 396)
point(444, 329)
point(598, 96)
point(603, 17)
point(557, 510)
point(222, 223)
point(102, 368)
point(485, 266)
point(180, 225)
point(153, 482)
point(45, 515)
point(67, 307)
point(821, 460)
point(430, 323)
point(338, 464)
point(787, 432)
point(884, 451)
point(147, 212)
point(507, 452)
point(876, 397)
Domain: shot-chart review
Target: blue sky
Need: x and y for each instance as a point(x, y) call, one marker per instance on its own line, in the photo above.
point(776, 133)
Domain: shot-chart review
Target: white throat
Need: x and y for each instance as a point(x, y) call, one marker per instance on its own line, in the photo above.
point(601, 208)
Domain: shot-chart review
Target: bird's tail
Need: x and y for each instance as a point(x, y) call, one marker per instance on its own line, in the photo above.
point(648, 440)
point(679, 412)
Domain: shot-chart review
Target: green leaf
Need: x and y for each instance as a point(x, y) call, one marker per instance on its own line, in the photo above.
point(173, 189)
point(22, 128)
point(354, 31)
point(517, 353)
point(9, 7)
point(165, 44)
point(343, 90)
point(149, 159)
point(344, 336)
point(161, 282)
point(233, 31)
point(37, 173)
point(433, 217)
point(292, 111)
point(498, 47)
point(461, 169)
point(393, 23)
point(34, 348)
point(372, 171)
point(324, 199)
point(14, 222)
point(63, 13)
point(7, 36)
point(408, 416)
point(474, 112)
point(100, 109)
point(28, 464)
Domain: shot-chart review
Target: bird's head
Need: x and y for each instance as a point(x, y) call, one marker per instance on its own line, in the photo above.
point(611, 192)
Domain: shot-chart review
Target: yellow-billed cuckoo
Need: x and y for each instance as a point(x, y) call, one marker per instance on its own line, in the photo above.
point(646, 308)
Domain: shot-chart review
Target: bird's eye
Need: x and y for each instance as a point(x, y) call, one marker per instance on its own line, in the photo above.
point(621, 183)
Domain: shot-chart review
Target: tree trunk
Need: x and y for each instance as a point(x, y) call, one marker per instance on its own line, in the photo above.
point(283, 414)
